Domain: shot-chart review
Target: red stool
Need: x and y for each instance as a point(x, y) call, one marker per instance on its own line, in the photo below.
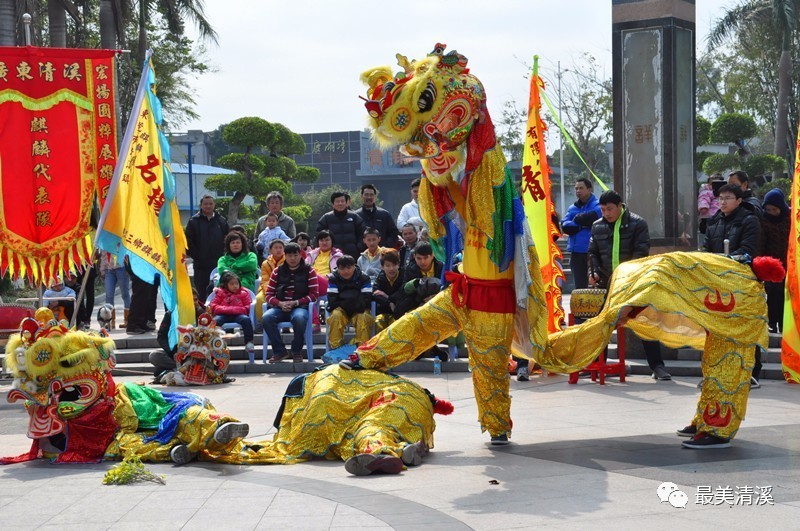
point(599, 367)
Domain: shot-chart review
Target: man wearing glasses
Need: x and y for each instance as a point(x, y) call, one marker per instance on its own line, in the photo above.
point(741, 227)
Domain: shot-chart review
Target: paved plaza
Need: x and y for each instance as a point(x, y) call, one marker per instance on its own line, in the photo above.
point(583, 456)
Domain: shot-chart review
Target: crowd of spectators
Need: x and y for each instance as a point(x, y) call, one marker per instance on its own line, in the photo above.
point(357, 261)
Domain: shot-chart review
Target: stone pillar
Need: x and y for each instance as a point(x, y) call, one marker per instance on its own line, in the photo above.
point(654, 86)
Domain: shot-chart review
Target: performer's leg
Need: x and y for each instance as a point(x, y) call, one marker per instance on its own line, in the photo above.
point(413, 334)
point(363, 323)
point(726, 386)
point(489, 338)
point(336, 322)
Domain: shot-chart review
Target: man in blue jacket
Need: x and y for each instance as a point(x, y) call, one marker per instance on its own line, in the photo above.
point(577, 223)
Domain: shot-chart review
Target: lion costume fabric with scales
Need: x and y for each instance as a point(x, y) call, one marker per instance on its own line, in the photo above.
point(435, 109)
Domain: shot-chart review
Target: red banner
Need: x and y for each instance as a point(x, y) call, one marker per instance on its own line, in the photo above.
point(57, 146)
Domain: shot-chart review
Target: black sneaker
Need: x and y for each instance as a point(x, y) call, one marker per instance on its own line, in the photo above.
point(500, 440)
point(706, 441)
point(688, 431)
point(366, 464)
point(136, 331)
point(230, 431)
point(754, 383)
point(413, 453)
point(660, 373)
point(181, 454)
point(151, 326)
point(351, 363)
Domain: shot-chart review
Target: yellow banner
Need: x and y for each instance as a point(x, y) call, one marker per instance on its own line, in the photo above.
point(140, 219)
point(539, 208)
point(790, 344)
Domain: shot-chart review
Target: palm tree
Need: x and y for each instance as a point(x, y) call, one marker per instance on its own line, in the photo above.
point(175, 12)
point(781, 15)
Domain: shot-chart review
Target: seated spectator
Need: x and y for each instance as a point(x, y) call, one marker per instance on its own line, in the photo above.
point(349, 301)
point(276, 257)
point(231, 304)
point(163, 359)
point(270, 233)
point(421, 280)
point(304, 241)
point(63, 308)
point(387, 288)
point(370, 260)
point(291, 287)
point(239, 260)
point(324, 260)
point(409, 235)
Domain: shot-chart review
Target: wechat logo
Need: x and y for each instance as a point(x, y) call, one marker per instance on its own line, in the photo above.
point(669, 492)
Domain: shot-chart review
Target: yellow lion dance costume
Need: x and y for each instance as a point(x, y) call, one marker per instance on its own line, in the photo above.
point(435, 109)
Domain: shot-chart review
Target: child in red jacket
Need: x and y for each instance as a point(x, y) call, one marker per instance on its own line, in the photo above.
point(231, 304)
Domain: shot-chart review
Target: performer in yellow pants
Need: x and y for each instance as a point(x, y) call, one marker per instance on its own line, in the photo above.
point(338, 321)
point(701, 300)
point(488, 343)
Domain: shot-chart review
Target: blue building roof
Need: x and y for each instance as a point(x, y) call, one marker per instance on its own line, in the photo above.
point(200, 169)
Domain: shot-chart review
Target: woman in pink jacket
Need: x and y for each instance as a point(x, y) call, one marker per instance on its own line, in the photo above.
point(231, 304)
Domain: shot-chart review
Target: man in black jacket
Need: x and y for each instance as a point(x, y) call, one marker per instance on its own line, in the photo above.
point(737, 223)
point(375, 217)
point(205, 235)
point(634, 242)
point(734, 222)
point(345, 226)
point(749, 200)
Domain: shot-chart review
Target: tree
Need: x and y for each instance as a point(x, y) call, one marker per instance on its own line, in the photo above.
point(585, 106)
point(779, 17)
point(263, 166)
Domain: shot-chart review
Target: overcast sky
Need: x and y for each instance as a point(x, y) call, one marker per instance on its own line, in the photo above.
point(298, 63)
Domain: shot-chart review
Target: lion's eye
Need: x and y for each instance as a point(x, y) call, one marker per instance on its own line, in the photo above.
point(426, 99)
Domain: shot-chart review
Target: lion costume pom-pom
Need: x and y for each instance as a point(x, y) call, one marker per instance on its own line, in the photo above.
point(768, 269)
point(442, 407)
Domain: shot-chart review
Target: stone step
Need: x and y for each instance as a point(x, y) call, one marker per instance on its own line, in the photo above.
point(769, 371)
point(243, 367)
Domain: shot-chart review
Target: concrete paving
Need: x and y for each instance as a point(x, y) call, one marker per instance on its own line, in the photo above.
point(582, 456)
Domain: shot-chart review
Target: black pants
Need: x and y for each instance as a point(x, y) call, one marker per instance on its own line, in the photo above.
point(143, 303)
point(202, 277)
point(757, 367)
point(775, 301)
point(652, 349)
point(86, 307)
point(579, 262)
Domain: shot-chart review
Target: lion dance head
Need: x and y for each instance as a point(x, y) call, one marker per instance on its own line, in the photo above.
point(429, 108)
point(60, 374)
point(202, 356)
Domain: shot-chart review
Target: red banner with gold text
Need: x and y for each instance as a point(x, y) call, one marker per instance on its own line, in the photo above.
point(57, 147)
